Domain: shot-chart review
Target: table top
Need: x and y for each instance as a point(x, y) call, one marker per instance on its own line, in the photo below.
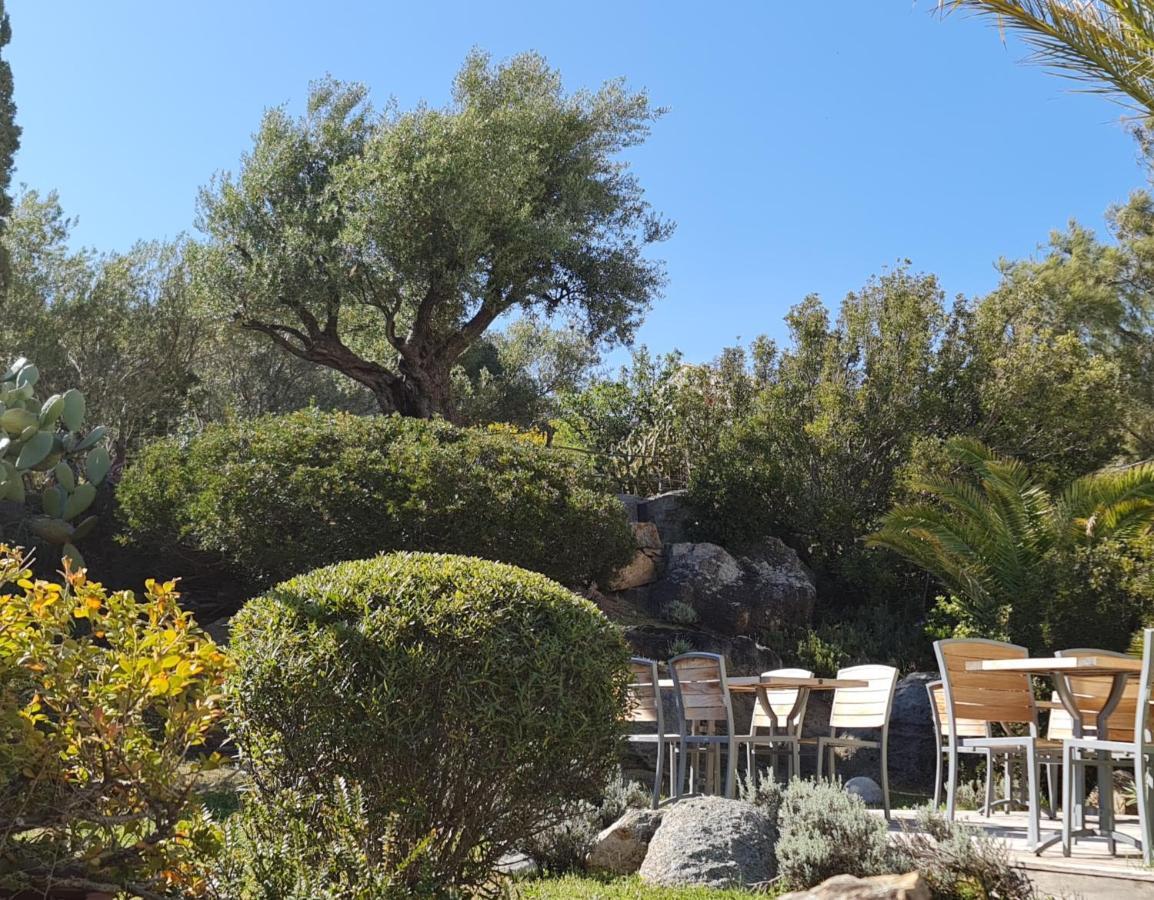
point(744, 683)
point(1066, 665)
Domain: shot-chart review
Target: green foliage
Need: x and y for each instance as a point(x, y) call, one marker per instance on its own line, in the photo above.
point(289, 845)
point(102, 698)
point(42, 448)
point(963, 863)
point(1106, 44)
point(823, 831)
point(650, 428)
point(337, 670)
point(632, 888)
point(276, 496)
point(517, 376)
point(563, 847)
point(401, 237)
point(9, 139)
point(1020, 562)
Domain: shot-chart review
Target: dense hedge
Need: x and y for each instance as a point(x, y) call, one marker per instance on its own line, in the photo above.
point(470, 702)
point(280, 495)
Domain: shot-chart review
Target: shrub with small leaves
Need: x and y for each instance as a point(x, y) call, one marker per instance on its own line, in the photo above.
point(823, 831)
point(681, 613)
point(563, 847)
point(102, 698)
point(468, 700)
point(292, 845)
point(962, 863)
point(281, 495)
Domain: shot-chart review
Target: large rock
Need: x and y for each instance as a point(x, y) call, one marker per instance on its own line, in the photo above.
point(640, 571)
point(620, 849)
point(732, 596)
point(866, 788)
point(743, 655)
point(713, 842)
point(670, 513)
point(910, 886)
point(913, 743)
point(631, 503)
point(647, 536)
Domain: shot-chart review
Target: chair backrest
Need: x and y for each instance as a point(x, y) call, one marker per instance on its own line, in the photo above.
point(1061, 725)
point(1089, 696)
point(864, 707)
point(702, 691)
point(966, 727)
point(645, 693)
point(1142, 725)
point(1005, 697)
point(783, 702)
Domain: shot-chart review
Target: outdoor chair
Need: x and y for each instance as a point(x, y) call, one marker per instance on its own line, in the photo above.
point(1005, 698)
point(783, 717)
point(1128, 744)
point(966, 728)
point(646, 705)
point(707, 720)
point(862, 708)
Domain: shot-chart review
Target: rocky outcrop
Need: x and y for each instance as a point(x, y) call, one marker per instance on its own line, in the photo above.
point(910, 886)
point(644, 568)
point(911, 744)
point(670, 513)
point(912, 740)
point(713, 842)
point(736, 596)
point(743, 655)
point(620, 849)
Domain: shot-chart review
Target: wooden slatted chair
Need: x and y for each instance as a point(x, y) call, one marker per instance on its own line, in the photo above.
point(783, 718)
point(966, 728)
point(1120, 747)
point(704, 703)
point(645, 706)
point(1005, 698)
point(864, 708)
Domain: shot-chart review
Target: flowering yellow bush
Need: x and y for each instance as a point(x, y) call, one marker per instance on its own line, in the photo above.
point(104, 698)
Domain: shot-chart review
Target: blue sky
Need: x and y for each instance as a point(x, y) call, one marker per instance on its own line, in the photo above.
point(807, 146)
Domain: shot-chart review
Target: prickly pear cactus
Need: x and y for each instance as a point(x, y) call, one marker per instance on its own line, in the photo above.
point(43, 448)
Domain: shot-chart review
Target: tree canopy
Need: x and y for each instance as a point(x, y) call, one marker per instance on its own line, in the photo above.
point(1106, 44)
point(383, 245)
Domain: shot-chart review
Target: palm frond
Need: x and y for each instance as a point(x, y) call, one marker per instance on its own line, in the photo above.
point(1108, 44)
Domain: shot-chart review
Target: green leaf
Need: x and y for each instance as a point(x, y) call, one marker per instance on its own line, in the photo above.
point(85, 528)
point(80, 500)
point(34, 450)
point(73, 556)
point(51, 410)
point(53, 500)
point(74, 409)
point(97, 464)
point(92, 438)
point(65, 477)
point(14, 369)
point(28, 376)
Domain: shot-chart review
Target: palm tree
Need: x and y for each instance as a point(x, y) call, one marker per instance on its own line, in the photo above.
point(987, 534)
point(1107, 43)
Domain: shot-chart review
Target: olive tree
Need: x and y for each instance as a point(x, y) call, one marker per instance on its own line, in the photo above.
point(384, 244)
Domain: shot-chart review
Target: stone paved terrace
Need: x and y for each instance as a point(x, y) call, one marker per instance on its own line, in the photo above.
point(1089, 872)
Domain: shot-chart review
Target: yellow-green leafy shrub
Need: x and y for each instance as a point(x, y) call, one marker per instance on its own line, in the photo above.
point(470, 702)
point(280, 495)
point(102, 698)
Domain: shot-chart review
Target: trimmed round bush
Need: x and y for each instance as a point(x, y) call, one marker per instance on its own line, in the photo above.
point(280, 495)
point(471, 702)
